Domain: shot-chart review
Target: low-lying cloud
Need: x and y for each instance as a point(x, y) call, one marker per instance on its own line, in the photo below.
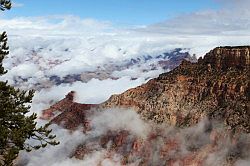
point(101, 122)
point(231, 19)
point(92, 92)
point(206, 143)
point(63, 45)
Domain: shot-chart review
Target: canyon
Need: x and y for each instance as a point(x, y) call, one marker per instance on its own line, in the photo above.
point(197, 114)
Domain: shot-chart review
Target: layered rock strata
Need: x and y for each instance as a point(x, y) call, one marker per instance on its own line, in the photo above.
point(218, 86)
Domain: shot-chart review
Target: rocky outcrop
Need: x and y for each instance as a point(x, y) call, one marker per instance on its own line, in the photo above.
point(68, 113)
point(58, 107)
point(223, 58)
point(184, 148)
point(218, 86)
point(75, 115)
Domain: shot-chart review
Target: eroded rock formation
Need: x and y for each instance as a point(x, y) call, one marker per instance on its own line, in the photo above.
point(216, 87)
point(68, 113)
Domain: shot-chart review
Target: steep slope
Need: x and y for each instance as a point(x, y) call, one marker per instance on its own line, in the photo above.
point(76, 113)
point(188, 105)
point(218, 86)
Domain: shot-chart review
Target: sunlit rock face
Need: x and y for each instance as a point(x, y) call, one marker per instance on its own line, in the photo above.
point(218, 86)
point(226, 57)
point(197, 114)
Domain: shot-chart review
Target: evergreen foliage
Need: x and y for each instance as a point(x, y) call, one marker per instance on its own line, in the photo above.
point(5, 4)
point(16, 126)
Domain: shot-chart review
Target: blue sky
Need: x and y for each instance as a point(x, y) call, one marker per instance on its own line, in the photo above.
point(130, 12)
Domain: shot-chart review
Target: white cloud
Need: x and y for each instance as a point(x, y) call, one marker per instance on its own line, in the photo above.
point(53, 154)
point(94, 91)
point(155, 139)
point(67, 25)
point(232, 19)
point(60, 45)
point(91, 43)
point(114, 120)
point(25, 70)
point(101, 122)
point(17, 4)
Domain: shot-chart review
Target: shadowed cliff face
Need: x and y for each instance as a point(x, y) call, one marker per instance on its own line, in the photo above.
point(218, 86)
point(197, 114)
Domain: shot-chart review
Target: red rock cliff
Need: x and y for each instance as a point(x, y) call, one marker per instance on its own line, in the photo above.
point(218, 86)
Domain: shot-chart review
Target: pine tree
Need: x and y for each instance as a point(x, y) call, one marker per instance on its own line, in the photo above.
point(15, 125)
point(5, 4)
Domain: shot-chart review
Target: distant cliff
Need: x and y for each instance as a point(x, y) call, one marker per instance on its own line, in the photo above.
point(167, 61)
